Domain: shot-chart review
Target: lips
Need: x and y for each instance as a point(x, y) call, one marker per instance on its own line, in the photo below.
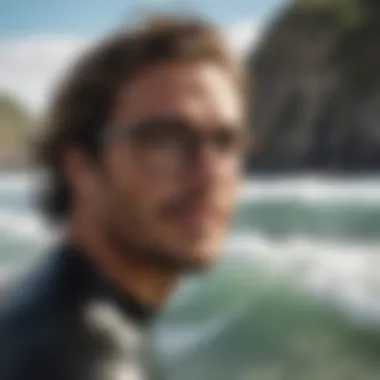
point(200, 217)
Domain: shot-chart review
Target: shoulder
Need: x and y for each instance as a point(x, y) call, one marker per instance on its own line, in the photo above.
point(31, 343)
point(33, 330)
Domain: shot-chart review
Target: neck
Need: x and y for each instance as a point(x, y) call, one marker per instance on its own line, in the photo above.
point(150, 285)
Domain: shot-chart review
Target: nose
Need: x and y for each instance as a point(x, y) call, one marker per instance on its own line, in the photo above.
point(209, 164)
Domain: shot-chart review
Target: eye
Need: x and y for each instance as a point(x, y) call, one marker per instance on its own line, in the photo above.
point(162, 139)
point(226, 140)
point(168, 139)
point(163, 134)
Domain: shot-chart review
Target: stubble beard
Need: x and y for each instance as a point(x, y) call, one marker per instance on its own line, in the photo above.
point(132, 241)
point(131, 246)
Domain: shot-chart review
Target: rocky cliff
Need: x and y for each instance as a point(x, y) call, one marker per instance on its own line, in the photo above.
point(316, 75)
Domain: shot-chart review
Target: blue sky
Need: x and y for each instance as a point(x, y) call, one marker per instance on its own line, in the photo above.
point(89, 17)
point(40, 38)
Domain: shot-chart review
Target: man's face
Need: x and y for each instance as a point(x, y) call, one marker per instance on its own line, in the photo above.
point(171, 164)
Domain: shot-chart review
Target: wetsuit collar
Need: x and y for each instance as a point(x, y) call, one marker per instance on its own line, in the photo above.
point(88, 280)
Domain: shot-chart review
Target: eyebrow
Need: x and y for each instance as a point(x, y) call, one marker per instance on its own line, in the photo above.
point(124, 130)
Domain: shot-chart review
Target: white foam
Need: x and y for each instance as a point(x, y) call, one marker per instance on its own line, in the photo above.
point(313, 189)
point(25, 226)
point(346, 273)
point(16, 182)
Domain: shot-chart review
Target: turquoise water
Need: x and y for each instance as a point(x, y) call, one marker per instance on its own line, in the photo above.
point(295, 296)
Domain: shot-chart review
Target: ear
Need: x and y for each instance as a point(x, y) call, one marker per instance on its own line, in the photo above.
point(79, 172)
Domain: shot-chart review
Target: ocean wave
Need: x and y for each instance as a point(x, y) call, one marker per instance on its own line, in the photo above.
point(24, 226)
point(345, 273)
point(331, 266)
point(11, 182)
point(313, 189)
point(306, 188)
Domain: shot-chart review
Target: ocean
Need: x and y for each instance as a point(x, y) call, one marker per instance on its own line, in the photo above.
point(296, 294)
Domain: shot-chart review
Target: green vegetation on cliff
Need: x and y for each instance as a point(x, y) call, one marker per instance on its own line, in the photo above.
point(16, 127)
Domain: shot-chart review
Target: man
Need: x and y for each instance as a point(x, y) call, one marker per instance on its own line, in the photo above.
point(144, 148)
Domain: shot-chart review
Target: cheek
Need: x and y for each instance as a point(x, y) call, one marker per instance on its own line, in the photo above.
point(229, 183)
point(231, 194)
point(137, 185)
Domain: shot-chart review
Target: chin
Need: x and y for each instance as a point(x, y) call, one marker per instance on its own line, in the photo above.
point(197, 265)
point(184, 254)
point(186, 261)
point(197, 259)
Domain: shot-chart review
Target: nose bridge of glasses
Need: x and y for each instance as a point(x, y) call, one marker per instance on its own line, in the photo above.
point(205, 157)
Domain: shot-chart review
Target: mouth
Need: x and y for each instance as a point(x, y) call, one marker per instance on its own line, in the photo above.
point(199, 218)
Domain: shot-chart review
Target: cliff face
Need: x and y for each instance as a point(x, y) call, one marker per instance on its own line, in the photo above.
point(316, 75)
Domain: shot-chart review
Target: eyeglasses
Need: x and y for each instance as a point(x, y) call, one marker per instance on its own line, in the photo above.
point(172, 145)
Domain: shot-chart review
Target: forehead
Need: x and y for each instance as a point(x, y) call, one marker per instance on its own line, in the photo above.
point(199, 91)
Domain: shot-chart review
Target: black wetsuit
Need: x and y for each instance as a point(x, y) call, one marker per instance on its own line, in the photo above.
point(67, 323)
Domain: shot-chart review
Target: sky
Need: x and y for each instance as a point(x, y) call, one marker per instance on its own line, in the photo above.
point(39, 38)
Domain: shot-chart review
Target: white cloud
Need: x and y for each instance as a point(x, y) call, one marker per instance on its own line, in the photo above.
point(243, 36)
point(29, 67)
